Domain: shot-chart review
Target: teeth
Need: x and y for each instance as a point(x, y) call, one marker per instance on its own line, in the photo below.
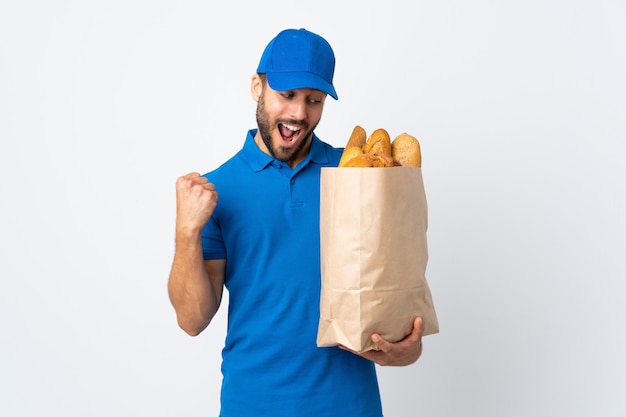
point(292, 128)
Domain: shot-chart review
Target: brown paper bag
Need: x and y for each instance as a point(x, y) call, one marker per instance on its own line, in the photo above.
point(373, 225)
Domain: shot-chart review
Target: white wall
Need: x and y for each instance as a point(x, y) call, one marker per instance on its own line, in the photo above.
point(519, 107)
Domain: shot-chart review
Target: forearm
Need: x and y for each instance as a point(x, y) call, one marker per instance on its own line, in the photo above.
point(193, 294)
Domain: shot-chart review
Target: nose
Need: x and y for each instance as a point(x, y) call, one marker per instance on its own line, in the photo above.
point(298, 109)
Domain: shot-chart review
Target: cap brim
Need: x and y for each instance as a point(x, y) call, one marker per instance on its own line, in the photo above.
point(283, 81)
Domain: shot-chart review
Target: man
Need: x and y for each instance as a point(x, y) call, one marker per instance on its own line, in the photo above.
point(261, 241)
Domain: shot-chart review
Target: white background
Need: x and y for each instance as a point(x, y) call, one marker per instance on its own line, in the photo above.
point(519, 107)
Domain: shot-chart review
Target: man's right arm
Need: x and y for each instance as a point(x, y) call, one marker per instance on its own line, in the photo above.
point(195, 286)
point(195, 289)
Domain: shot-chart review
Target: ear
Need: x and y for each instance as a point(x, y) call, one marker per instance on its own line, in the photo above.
point(256, 87)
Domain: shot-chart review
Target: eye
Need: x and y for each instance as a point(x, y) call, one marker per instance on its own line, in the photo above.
point(287, 94)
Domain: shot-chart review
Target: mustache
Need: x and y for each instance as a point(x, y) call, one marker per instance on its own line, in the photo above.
point(293, 122)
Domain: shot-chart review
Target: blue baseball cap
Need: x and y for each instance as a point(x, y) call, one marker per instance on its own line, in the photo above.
point(298, 58)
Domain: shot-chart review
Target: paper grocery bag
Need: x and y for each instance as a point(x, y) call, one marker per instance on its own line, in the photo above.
point(374, 253)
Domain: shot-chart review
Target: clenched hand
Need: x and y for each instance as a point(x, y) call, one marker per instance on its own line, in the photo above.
point(196, 199)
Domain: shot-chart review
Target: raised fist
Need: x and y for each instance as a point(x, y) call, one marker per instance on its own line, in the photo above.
point(196, 199)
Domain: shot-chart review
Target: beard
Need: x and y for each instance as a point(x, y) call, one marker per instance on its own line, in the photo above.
point(282, 153)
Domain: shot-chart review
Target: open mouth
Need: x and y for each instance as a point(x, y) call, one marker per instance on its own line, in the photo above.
point(289, 133)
